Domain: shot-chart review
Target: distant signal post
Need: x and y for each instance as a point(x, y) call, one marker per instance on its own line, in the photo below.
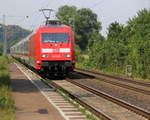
point(4, 37)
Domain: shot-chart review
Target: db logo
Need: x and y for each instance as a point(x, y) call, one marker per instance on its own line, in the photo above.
point(55, 45)
point(55, 50)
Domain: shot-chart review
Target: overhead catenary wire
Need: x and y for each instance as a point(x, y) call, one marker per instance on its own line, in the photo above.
point(97, 3)
point(13, 17)
point(4, 36)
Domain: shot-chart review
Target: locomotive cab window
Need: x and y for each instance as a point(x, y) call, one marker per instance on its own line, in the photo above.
point(55, 37)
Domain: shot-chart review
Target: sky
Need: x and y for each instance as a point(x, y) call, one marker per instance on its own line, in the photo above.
point(108, 11)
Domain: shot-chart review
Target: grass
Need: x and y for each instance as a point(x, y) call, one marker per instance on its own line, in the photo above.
point(7, 110)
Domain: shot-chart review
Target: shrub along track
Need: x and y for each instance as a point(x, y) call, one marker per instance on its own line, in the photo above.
point(7, 109)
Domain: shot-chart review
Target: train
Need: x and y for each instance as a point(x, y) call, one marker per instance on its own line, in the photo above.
point(50, 49)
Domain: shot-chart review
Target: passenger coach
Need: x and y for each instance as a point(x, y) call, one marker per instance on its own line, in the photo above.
point(50, 49)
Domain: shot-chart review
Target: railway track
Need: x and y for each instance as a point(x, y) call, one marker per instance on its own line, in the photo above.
point(117, 77)
point(92, 108)
point(89, 93)
point(138, 86)
point(120, 102)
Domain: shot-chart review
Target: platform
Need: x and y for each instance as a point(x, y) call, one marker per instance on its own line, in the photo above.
point(36, 101)
point(30, 104)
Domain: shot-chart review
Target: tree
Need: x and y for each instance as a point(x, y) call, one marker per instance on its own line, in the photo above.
point(97, 53)
point(67, 14)
point(86, 24)
point(140, 40)
point(117, 46)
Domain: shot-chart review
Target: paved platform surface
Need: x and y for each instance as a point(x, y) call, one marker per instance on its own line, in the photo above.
point(29, 102)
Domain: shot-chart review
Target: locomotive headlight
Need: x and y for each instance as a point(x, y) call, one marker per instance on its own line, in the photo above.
point(44, 55)
point(67, 55)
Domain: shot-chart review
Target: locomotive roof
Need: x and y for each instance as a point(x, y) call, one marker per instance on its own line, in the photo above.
point(54, 26)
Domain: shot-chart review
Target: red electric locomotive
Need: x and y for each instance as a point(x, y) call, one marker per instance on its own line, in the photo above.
point(50, 49)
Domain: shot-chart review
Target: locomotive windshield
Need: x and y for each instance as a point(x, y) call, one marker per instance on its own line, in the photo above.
point(55, 37)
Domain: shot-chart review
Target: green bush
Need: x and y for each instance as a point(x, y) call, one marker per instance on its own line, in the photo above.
point(7, 109)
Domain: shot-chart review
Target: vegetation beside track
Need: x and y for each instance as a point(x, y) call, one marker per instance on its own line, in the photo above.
point(125, 48)
point(7, 110)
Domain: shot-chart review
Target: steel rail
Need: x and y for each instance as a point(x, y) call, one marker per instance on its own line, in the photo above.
point(117, 83)
point(120, 102)
point(116, 77)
